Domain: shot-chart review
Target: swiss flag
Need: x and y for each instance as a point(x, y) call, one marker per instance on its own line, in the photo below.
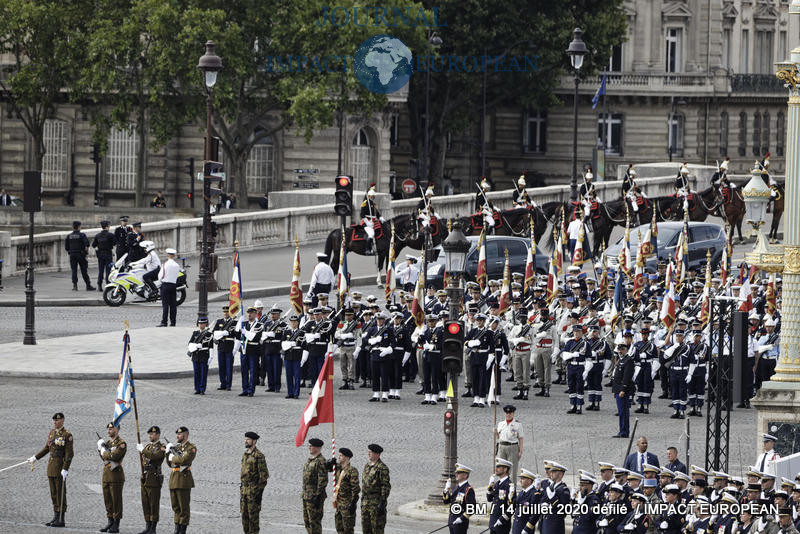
point(320, 404)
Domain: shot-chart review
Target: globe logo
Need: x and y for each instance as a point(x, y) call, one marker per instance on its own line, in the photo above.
point(383, 64)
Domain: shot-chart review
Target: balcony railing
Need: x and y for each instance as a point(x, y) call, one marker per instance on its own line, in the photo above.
point(756, 83)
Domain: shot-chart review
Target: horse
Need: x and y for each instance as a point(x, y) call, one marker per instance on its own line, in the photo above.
point(733, 210)
point(777, 212)
point(512, 222)
point(701, 205)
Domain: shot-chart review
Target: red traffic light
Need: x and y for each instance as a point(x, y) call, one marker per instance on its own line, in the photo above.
point(454, 328)
point(448, 414)
point(343, 181)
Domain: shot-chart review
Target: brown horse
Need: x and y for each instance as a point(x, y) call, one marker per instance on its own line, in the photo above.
point(733, 210)
point(777, 212)
point(513, 222)
point(701, 205)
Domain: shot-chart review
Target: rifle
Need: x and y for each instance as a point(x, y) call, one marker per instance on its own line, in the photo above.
point(349, 328)
point(275, 324)
point(111, 465)
point(327, 322)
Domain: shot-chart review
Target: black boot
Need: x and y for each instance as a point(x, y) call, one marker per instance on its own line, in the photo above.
point(148, 529)
point(54, 520)
point(574, 409)
point(183, 528)
point(646, 409)
point(525, 394)
point(153, 527)
point(520, 395)
point(468, 393)
point(177, 529)
point(364, 384)
point(540, 394)
point(547, 392)
point(108, 526)
point(74, 287)
point(59, 522)
point(114, 526)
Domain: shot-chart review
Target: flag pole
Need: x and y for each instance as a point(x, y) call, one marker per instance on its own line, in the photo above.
point(494, 426)
point(127, 339)
point(333, 431)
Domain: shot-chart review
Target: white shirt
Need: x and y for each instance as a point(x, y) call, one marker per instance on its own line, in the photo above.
point(323, 274)
point(169, 271)
point(152, 261)
point(574, 229)
point(766, 461)
point(510, 432)
point(408, 274)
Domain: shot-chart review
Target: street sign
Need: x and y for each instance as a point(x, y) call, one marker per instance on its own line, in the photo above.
point(306, 171)
point(409, 186)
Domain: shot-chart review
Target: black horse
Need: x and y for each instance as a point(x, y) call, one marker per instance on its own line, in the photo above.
point(512, 222)
point(701, 205)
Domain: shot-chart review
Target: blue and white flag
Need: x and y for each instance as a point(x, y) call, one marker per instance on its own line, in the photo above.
point(601, 91)
point(125, 394)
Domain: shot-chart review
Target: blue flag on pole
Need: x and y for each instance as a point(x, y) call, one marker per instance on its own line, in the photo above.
point(124, 401)
point(601, 91)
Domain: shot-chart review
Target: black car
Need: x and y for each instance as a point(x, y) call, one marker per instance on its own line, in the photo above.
point(495, 259)
point(703, 236)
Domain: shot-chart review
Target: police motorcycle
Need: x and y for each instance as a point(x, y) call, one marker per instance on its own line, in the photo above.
point(127, 278)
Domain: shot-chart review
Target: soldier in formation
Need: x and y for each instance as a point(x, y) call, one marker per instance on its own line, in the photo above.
point(253, 481)
point(152, 479)
point(112, 451)
point(180, 457)
point(375, 488)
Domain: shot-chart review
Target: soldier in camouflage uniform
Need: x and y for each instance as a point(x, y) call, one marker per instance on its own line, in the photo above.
point(254, 480)
point(315, 478)
point(59, 446)
point(345, 492)
point(375, 492)
point(152, 479)
point(181, 481)
point(112, 451)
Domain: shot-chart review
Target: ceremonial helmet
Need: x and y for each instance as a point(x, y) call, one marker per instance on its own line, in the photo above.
point(589, 174)
point(485, 185)
point(371, 192)
point(429, 191)
point(724, 165)
point(684, 169)
point(521, 181)
point(631, 171)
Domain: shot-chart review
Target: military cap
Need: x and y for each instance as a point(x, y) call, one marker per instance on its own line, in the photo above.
point(356, 303)
point(371, 298)
point(796, 487)
point(502, 462)
point(57, 416)
point(202, 320)
point(226, 308)
point(316, 442)
point(494, 283)
point(322, 296)
point(548, 464)
point(672, 488)
point(620, 471)
point(768, 437)
point(103, 224)
point(307, 301)
point(251, 310)
point(650, 468)
point(518, 275)
point(171, 252)
point(461, 468)
point(728, 498)
point(348, 311)
point(509, 408)
point(627, 333)
point(739, 482)
point(397, 315)
point(441, 293)
point(720, 475)
point(155, 429)
point(577, 327)
point(409, 297)
point(786, 483)
point(75, 224)
point(590, 281)
point(524, 473)
point(555, 466)
point(181, 429)
point(616, 487)
point(251, 435)
point(650, 483)
point(275, 309)
point(374, 447)
point(111, 425)
point(679, 332)
point(431, 317)
point(644, 330)
point(785, 512)
point(480, 317)
point(622, 346)
point(587, 478)
point(767, 476)
point(594, 327)
point(639, 497)
point(680, 475)
point(697, 470)
point(123, 218)
point(137, 223)
point(634, 475)
point(755, 486)
point(781, 493)
point(516, 285)
point(355, 294)
point(294, 317)
point(382, 315)
point(667, 473)
point(701, 499)
point(605, 466)
point(344, 451)
point(322, 256)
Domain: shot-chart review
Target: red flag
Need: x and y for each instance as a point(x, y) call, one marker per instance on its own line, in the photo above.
point(295, 292)
point(481, 275)
point(505, 292)
point(667, 313)
point(320, 403)
point(417, 309)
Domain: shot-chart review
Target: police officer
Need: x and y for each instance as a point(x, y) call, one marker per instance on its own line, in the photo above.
point(431, 341)
point(624, 388)
point(576, 353)
point(499, 494)
point(347, 490)
point(462, 495)
point(181, 482)
point(77, 246)
point(152, 479)
point(134, 238)
point(112, 451)
point(295, 354)
point(253, 481)
point(199, 349)
point(315, 479)
point(251, 331)
point(224, 332)
point(509, 439)
point(121, 236)
point(103, 243)
point(375, 487)
point(60, 447)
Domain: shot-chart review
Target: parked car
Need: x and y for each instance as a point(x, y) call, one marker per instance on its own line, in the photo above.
point(495, 259)
point(702, 237)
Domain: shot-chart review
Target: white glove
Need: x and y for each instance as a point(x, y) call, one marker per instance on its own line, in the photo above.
point(525, 531)
point(170, 446)
point(457, 521)
point(406, 357)
point(139, 447)
point(664, 525)
point(304, 358)
point(348, 335)
point(270, 335)
point(688, 378)
point(64, 474)
point(489, 362)
point(492, 479)
point(602, 523)
point(387, 351)
point(171, 457)
point(219, 334)
point(250, 334)
point(764, 348)
point(287, 345)
point(498, 523)
point(356, 353)
point(374, 340)
point(448, 485)
point(540, 335)
point(629, 526)
point(428, 346)
point(100, 444)
point(31, 460)
point(585, 374)
point(311, 337)
point(236, 346)
point(472, 343)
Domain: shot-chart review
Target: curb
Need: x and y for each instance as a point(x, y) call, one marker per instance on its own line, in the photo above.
point(50, 303)
point(165, 375)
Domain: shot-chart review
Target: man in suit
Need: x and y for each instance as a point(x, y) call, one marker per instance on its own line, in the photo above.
point(636, 460)
point(673, 464)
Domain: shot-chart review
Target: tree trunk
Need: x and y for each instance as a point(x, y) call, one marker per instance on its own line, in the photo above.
point(240, 178)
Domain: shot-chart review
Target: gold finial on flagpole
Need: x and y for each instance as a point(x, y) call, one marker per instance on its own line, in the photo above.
point(127, 324)
point(296, 243)
point(236, 245)
point(449, 225)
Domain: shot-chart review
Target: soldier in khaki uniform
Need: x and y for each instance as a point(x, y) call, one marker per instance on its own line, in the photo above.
point(152, 479)
point(59, 446)
point(346, 492)
point(315, 478)
point(253, 481)
point(112, 451)
point(375, 488)
point(181, 482)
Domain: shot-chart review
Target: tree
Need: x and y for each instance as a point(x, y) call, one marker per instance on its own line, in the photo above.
point(45, 41)
point(520, 27)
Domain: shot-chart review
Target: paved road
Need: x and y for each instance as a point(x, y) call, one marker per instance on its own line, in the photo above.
point(409, 432)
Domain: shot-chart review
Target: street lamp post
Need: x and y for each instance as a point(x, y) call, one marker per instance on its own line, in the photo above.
point(433, 40)
point(210, 64)
point(576, 51)
point(455, 246)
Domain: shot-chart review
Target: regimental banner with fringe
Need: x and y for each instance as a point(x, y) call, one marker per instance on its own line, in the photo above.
point(505, 291)
point(125, 391)
point(481, 276)
point(417, 305)
point(391, 280)
point(235, 292)
point(295, 291)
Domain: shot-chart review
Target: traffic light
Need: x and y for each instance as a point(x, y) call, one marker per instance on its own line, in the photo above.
point(96, 157)
point(449, 421)
point(453, 346)
point(343, 196)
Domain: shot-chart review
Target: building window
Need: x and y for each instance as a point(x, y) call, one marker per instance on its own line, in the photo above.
point(756, 133)
point(394, 130)
point(780, 128)
point(121, 160)
point(675, 134)
point(613, 132)
point(763, 52)
point(361, 161)
point(536, 132)
point(742, 133)
point(782, 51)
point(56, 155)
point(765, 133)
point(260, 165)
point(745, 52)
point(673, 50)
point(726, 48)
point(615, 60)
point(723, 134)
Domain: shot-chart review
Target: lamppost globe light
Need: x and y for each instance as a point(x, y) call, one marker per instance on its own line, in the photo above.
point(794, 7)
point(210, 77)
point(756, 195)
point(455, 246)
point(210, 64)
point(577, 49)
point(435, 40)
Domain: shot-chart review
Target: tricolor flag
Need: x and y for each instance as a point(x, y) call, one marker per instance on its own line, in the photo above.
point(667, 313)
point(481, 276)
point(530, 269)
point(745, 296)
point(603, 284)
point(417, 305)
point(625, 257)
point(638, 274)
point(125, 393)
point(391, 279)
point(342, 280)
point(235, 292)
point(505, 291)
point(705, 305)
point(552, 281)
point(319, 408)
point(649, 245)
point(295, 291)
